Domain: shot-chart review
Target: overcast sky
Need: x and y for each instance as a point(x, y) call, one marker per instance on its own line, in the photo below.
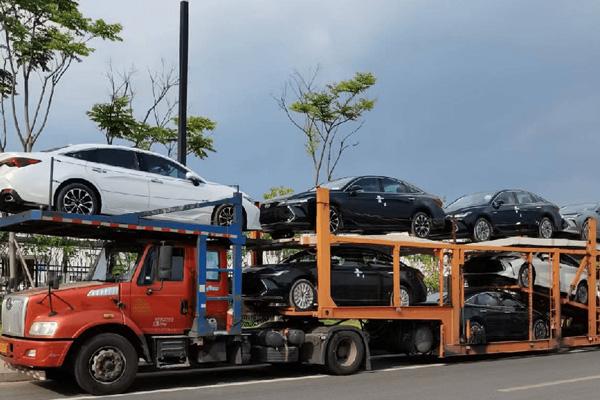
point(471, 95)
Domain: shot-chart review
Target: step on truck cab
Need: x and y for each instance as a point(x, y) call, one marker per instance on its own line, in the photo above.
point(160, 295)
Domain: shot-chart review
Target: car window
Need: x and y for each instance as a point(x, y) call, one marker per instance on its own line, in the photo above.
point(394, 186)
point(506, 198)
point(368, 184)
point(161, 166)
point(487, 299)
point(86, 155)
point(524, 198)
point(509, 301)
point(117, 158)
point(302, 256)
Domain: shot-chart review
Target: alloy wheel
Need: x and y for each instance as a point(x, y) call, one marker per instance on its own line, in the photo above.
point(540, 329)
point(581, 295)
point(404, 297)
point(303, 295)
point(422, 225)
point(546, 228)
point(78, 201)
point(584, 230)
point(107, 365)
point(225, 215)
point(483, 230)
point(335, 220)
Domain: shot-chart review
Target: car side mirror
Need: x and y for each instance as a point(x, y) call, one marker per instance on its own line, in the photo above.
point(354, 189)
point(165, 254)
point(195, 179)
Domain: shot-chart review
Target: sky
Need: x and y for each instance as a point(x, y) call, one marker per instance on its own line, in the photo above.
point(471, 95)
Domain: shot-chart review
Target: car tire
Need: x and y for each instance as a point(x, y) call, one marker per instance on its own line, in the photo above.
point(224, 215)
point(105, 364)
point(77, 198)
point(581, 293)
point(303, 295)
point(546, 228)
point(584, 230)
point(421, 224)
point(523, 278)
point(335, 220)
point(406, 296)
point(482, 230)
point(477, 333)
point(345, 353)
point(541, 329)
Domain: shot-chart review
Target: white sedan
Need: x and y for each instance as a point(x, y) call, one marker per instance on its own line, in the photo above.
point(510, 267)
point(108, 179)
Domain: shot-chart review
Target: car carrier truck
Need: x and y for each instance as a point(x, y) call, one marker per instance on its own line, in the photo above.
point(165, 294)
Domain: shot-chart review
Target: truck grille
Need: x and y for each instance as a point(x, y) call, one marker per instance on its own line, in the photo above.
point(13, 315)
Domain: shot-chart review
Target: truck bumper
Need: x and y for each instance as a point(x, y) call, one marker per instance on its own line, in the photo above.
point(33, 353)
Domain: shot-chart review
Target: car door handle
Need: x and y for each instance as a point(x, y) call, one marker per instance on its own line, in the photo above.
point(411, 198)
point(156, 180)
point(483, 311)
point(538, 207)
point(99, 170)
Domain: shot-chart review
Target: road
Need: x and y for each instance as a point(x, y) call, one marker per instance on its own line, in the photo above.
point(573, 375)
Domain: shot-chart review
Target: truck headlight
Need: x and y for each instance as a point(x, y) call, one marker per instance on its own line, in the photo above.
point(43, 328)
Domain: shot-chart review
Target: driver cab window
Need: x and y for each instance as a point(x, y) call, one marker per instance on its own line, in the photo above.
point(212, 261)
point(163, 263)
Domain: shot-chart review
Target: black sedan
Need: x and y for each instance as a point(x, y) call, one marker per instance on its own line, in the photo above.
point(501, 315)
point(365, 203)
point(482, 216)
point(359, 276)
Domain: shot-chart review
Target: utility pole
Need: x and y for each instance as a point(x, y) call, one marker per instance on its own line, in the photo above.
point(183, 81)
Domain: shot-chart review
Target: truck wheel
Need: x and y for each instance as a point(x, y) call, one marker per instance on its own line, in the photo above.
point(345, 353)
point(106, 364)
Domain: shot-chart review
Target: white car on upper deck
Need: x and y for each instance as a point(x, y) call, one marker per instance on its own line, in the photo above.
point(110, 179)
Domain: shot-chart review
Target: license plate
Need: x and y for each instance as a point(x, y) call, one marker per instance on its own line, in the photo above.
point(3, 347)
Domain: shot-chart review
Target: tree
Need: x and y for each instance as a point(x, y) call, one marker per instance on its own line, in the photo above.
point(40, 41)
point(277, 191)
point(158, 124)
point(329, 117)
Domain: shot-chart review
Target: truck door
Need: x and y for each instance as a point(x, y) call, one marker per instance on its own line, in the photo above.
point(161, 300)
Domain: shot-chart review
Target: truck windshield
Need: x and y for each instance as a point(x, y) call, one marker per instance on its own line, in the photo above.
point(115, 263)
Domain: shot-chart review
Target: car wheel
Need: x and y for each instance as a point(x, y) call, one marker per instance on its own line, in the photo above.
point(581, 293)
point(476, 333)
point(224, 215)
point(406, 297)
point(523, 278)
point(482, 231)
point(335, 220)
point(585, 229)
point(107, 363)
point(302, 295)
point(541, 329)
point(77, 198)
point(420, 225)
point(345, 353)
point(546, 228)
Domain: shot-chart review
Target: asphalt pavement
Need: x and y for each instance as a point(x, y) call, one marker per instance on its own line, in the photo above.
point(566, 376)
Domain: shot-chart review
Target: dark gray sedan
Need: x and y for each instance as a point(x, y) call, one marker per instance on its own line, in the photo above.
point(577, 218)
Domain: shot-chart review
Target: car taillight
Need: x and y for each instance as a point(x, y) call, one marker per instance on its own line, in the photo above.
point(19, 162)
point(439, 202)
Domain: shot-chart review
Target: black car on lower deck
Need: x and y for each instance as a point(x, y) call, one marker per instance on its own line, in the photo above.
point(359, 276)
point(482, 216)
point(365, 203)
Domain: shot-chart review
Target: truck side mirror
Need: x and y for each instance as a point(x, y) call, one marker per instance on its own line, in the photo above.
point(165, 254)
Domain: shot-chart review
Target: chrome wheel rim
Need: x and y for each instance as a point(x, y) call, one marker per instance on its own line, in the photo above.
point(546, 229)
point(582, 293)
point(422, 225)
point(78, 201)
point(540, 330)
point(525, 277)
point(334, 220)
point(482, 231)
point(107, 365)
point(404, 297)
point(303, 296)
point(225, 216)
point(584, 230)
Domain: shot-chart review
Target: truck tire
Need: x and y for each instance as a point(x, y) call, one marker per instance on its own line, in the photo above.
point(345, 353)
point(105, 364)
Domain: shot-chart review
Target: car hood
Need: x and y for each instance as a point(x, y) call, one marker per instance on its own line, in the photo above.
point(465, 209)
point(291, 198)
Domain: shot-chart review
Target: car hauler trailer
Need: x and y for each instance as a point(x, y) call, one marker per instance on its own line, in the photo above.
point(164, 292)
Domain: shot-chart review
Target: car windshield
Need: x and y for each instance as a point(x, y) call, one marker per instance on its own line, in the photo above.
point(301, 256)
point(53, 149)
point(337, 184)
point(575, 208)
point(115, 264)
point(470, 200)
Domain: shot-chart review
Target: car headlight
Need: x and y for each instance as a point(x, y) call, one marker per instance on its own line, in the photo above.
point(43, 328)
point(297, 201)
point(278, 273)
point(462, 215)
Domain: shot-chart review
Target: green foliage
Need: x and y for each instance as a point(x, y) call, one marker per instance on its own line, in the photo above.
point(430, 268)
point(321, 114)
point(277, 191)
point(115, 118)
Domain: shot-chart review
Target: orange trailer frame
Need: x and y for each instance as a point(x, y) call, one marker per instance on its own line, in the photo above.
point(453, 339)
